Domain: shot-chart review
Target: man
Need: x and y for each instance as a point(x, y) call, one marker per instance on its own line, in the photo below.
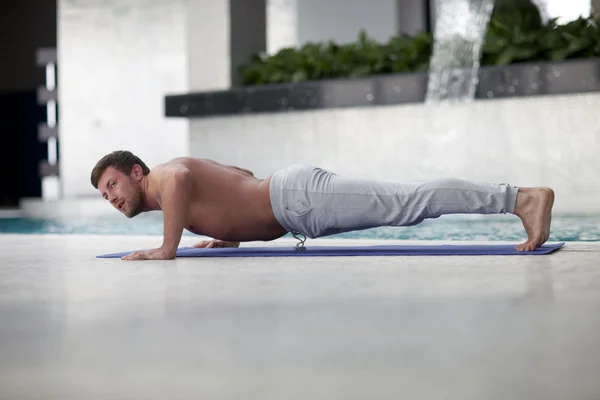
point(229, 204)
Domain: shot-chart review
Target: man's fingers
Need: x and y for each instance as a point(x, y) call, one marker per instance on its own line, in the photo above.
point(133, 256)
point(210, 244)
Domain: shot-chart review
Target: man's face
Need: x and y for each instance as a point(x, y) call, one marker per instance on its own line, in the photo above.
point(123, 191)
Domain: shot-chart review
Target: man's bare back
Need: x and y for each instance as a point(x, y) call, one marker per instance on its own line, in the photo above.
point(227, 203)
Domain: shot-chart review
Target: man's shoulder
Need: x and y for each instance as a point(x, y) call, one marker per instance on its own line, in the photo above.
point(192, 165)
point(170, 164)
point(162, 173)
point(178, 160)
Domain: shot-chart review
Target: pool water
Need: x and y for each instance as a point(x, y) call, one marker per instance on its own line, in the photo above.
point(584, 228)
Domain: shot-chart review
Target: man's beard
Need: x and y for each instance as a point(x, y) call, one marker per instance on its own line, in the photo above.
point(135, 204)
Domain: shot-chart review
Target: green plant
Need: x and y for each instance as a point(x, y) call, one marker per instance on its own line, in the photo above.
point(330, 60)
point(513, 43)
point(515, 34)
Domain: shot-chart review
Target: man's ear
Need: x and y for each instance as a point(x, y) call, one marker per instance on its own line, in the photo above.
point(137, 172)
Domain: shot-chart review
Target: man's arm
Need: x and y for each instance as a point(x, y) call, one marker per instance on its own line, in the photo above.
point(175, 191)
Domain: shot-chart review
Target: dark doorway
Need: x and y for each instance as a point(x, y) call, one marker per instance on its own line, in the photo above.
point(24, 28)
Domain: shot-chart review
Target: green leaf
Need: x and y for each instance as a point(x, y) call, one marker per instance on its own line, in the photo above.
point(525, 52)
point(299, 76)
point(494, 44)
point(362, 70)
point(559, 54)
point(507, 55)
point(400, 65)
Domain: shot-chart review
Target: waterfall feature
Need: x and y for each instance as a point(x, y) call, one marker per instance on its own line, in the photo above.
point(460, 30)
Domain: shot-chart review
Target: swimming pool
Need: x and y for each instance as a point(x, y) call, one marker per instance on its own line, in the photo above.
point(584, 228)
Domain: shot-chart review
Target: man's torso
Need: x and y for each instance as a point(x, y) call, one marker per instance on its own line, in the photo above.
point(229, 205)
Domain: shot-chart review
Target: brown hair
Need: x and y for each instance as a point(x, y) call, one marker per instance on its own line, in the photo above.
point(121, 160)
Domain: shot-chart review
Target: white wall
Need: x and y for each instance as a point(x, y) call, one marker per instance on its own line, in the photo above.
point(552, 141)
point(117, 59)
point(567, 11)
point(207, 33)
point(282, 25)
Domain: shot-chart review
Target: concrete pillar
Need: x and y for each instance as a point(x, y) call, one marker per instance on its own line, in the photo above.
point(207, 38)
point(412, 17)
point(282, 25)
point(221, 35)
point(248, 35)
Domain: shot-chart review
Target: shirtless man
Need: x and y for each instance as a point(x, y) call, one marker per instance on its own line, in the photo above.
point(231, 205)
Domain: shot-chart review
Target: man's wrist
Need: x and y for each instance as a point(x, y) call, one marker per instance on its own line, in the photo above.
point(168, 251)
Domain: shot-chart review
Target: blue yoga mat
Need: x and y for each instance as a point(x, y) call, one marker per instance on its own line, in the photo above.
point(382, 250)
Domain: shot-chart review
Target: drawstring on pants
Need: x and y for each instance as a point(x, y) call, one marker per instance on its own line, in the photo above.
point(299, 246)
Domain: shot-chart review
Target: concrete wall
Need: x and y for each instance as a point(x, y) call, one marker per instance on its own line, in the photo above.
point(341, 20)
point(117, 60)
point(533, 141)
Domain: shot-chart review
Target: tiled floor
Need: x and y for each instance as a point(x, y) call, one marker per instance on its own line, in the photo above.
point(76, 327)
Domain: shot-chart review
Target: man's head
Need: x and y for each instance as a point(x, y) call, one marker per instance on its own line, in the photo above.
point(119, 177)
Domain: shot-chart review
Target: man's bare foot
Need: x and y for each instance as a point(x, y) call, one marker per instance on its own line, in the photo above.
point(534, 207)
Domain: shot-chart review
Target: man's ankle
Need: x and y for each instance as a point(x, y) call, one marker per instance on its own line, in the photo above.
point(522, 203)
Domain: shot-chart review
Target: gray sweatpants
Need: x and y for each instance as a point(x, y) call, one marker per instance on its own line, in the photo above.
point(316, 202)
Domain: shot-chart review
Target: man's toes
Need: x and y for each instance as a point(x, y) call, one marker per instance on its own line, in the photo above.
point(527, 246)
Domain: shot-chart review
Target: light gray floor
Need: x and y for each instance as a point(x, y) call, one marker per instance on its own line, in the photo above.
point(76, 327)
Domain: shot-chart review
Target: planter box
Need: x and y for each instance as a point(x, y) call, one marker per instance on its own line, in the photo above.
point(526, 79)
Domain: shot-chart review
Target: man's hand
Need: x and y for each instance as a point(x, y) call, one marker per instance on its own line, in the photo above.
point(216, 243)
point(155, 254)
